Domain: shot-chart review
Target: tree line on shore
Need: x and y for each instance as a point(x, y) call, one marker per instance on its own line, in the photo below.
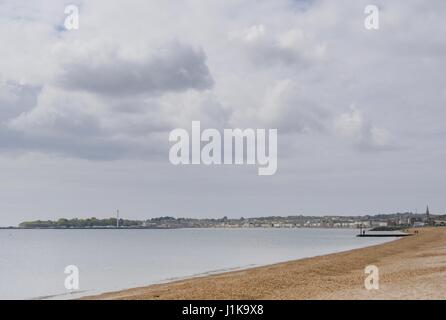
point(79, 223)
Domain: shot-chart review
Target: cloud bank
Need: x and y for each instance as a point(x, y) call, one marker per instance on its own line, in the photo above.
point(349, 104)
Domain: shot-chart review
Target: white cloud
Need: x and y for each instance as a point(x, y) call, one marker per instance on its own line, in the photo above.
point(285, 105)
point(250, 35)
point(290, 46)
point(364, 135)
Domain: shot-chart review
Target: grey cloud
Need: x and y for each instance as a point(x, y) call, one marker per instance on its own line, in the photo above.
point(99, 146)
point(172, 68)
point(106, 109)
point(16, 98)
point(74, 125)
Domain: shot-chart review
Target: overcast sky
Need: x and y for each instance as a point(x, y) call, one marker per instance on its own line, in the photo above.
point(85, 114)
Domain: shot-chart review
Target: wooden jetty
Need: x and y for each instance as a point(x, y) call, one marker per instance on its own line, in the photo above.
point(385, 235)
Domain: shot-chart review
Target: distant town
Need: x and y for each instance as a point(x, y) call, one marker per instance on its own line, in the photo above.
point(392, 221)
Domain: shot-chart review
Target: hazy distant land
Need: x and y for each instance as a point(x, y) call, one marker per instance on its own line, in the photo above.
point(387, 221)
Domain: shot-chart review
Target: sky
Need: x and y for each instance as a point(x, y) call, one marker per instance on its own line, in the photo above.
point(85, 114)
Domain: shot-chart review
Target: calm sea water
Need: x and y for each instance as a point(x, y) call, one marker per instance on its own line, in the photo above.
point(32, 262)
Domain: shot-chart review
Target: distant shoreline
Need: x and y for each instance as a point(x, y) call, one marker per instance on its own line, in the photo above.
point(380, 221)
point(410, 268)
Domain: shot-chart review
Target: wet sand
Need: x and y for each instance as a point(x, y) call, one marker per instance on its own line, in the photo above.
point(409, 268)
